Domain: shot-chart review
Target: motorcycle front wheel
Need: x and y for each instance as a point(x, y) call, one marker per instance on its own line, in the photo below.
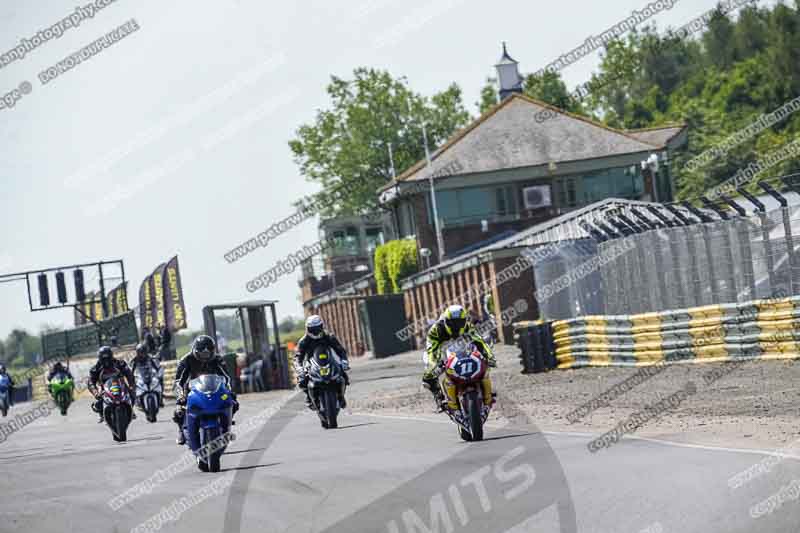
point(329, 406)
point(471, 407)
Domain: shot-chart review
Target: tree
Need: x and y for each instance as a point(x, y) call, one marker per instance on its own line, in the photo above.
point(346, 148)
point(489, 96)
point(719, 41)
point(548, 87)
point(290, 324)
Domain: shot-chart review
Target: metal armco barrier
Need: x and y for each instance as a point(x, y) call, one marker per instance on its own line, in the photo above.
point(535, 340)
point(760, 329)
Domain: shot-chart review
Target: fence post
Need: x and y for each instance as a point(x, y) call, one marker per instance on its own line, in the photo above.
point(765, 227)
point(646, 302)
point(697, 290)
point(787, 229)
point(747, 257)
point(658, 257)
point(680, 294)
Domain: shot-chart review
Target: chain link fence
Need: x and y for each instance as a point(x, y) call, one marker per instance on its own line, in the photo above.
point(723, 261)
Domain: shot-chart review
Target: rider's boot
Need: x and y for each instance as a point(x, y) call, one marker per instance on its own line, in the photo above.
point(489, 397)
point(450, 391)
point(342, 400)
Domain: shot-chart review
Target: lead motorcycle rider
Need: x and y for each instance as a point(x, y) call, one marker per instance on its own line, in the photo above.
point(317, 336)
point(106, 367)
point(454, 325)
point(203, 359)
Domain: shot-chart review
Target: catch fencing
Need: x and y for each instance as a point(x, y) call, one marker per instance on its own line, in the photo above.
point(87, 338)
point(677, 261)
point(716, 262)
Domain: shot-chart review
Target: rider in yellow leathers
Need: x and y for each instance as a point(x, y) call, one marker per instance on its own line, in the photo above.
point(454, 325)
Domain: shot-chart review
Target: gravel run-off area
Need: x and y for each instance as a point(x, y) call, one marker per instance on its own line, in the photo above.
point(752, 405)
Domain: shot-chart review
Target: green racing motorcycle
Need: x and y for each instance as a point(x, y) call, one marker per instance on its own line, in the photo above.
point(61, 389)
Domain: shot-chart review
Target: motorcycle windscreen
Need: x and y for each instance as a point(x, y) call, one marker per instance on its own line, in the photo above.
point(208, 384)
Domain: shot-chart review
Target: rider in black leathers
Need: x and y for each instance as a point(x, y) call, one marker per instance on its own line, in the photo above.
point(203, 359)
point(57, 369)
point(106, 367)
point(317, 336)
point(142, 358)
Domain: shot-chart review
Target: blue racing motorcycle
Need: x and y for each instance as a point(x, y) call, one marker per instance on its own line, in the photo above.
point(5, 393)
point(209, 412)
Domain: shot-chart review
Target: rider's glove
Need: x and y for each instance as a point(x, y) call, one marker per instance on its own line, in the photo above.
point(345, 365)
point(180, 401)
point(492, 362)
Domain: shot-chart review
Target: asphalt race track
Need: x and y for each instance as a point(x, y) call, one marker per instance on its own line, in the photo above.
point(376, 473)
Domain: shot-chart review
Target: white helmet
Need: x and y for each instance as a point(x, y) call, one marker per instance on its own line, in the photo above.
point(315, 327)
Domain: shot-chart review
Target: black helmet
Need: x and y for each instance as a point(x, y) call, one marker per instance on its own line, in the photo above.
point(141, 349)
point(204, 347)
point(105, 355)
point(315, 327)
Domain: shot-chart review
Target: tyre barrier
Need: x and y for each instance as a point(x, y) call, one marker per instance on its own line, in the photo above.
point(759, 329)
point(537, 350)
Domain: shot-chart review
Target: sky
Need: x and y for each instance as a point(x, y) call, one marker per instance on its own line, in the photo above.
point(175, 139)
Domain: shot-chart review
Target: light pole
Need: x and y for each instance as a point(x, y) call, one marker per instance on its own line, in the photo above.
point(436, 226)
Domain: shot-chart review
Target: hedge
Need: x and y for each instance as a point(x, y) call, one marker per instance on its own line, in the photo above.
point(394, 261)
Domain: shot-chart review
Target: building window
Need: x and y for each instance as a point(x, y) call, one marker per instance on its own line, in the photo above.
point(500, 195)
point(374, 238)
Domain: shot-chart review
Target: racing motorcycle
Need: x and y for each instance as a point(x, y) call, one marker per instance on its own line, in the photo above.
point(465, 368)
point(148, 391)
point(117, 407)
point(325, 381)
point(61, 387)
point(5, 392)
point(209, 411)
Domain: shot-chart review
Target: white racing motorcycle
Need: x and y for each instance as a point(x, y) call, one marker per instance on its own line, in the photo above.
point(148, 390)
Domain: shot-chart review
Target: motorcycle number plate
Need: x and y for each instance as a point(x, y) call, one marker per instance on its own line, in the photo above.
point(324, 371)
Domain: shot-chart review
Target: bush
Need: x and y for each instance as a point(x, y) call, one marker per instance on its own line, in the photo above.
point(394, 261)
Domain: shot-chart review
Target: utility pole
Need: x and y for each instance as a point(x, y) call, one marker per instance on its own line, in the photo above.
point(436, 226)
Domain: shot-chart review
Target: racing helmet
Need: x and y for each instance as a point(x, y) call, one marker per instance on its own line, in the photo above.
point(203, 348)
point(455, 320)
point(105, 355)
point(315, 327)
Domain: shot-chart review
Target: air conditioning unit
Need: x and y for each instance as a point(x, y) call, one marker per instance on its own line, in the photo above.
point(537, 197)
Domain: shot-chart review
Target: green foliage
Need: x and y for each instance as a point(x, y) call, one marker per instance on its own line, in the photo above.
point(489, 96)
point(550, 88)
point(394, 261)
point(718, 81)
point(349, 143)
point(20, 349)
point(382, 280)
point(290, 324)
